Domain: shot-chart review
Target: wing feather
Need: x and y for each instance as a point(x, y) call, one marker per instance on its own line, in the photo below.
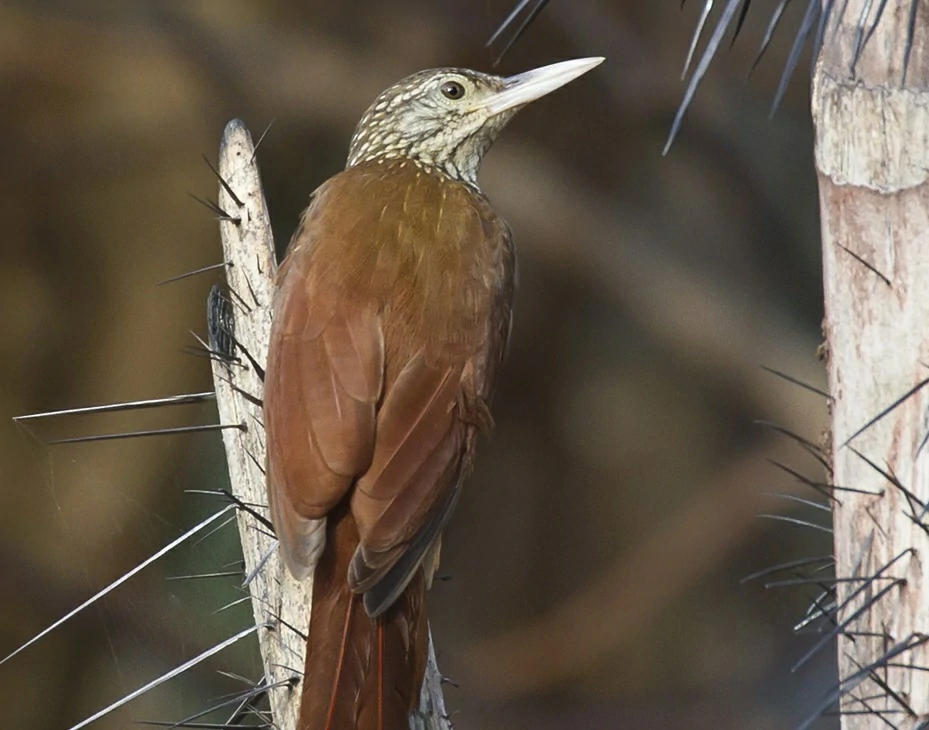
point(385, 351)
point(415, 419)
point(323, 379)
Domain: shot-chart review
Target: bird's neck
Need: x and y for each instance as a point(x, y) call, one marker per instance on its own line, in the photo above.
point(458, 166)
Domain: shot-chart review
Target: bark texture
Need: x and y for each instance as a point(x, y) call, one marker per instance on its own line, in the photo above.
point(872, 155)
point(248, 245)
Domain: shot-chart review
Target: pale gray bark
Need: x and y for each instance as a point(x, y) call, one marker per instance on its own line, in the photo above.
point(872, 155)
point(277, 599)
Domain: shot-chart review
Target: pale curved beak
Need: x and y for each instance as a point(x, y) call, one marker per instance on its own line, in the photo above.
point(531, 85)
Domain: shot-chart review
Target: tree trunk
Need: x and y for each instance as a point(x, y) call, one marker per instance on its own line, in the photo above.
point(872, 154)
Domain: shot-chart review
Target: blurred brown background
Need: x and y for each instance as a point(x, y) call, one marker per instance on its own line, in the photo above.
point(597, 550)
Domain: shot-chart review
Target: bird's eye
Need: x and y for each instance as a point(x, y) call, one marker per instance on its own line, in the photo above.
point(453, 90)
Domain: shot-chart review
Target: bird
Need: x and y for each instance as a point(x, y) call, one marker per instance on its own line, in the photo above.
point(390, 320)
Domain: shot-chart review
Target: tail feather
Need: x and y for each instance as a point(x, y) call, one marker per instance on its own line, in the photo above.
point(380, 673)
point(340, 662)
point(362, 673)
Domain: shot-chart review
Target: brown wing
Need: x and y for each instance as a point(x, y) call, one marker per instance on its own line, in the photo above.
point(432, 411)
point(402, 501)
point(401, 416)
point(322, 382)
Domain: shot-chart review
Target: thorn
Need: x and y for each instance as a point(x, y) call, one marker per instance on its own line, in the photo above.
point(119, 581)
point(533, 14)
point(808, 446)
point(818, 610)
point(806, 386)
point(239, 678)
point(151, 432)
point(236, 602)
point(210, 355)
point(822, 489)
point(769, 33)
point(261, 564)
point(172, 400)
point(821, 582)
point(242, 303)
point(250, 510)
point(223, 265)
point(869, 712)
point(867, 38)
point(795, 521)
point(222, 182)
point(259, 371)
point(890, 477)
point(214, 208)
point(244, 700)
point(295, 677)
point(282, 622)
point(233, 500)
point(910, 667)
point(205, 725)
point(878, 574)
point(790, 434)
point(698, 32)
point(870, 267)
point(859, 34)
point(870, 513)
point(198, 576)
point(739, 22)
point(216, 529)
point(824, 18)
point(840, 628)
point(248, 283)
point(853, 490)
point(254, 400)
point(828, 559)
point(849, 684)
point(813, 9)
point(799, 500)
point(700, 71)
point(265, 533)
point(506, 23)
point(261, 139)
point(255, 461)
point(883, 685)
point(215, 354)
point(867, 606)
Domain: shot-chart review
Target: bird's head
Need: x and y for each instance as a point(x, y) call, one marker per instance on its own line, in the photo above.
point(445, 119)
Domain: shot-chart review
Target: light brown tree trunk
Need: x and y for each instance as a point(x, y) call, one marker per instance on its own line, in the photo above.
point(872, 155)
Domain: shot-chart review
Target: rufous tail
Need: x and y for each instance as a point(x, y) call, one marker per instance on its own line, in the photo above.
point(361, 673)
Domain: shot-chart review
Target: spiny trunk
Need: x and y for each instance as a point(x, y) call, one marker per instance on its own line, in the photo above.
point(872, 155)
